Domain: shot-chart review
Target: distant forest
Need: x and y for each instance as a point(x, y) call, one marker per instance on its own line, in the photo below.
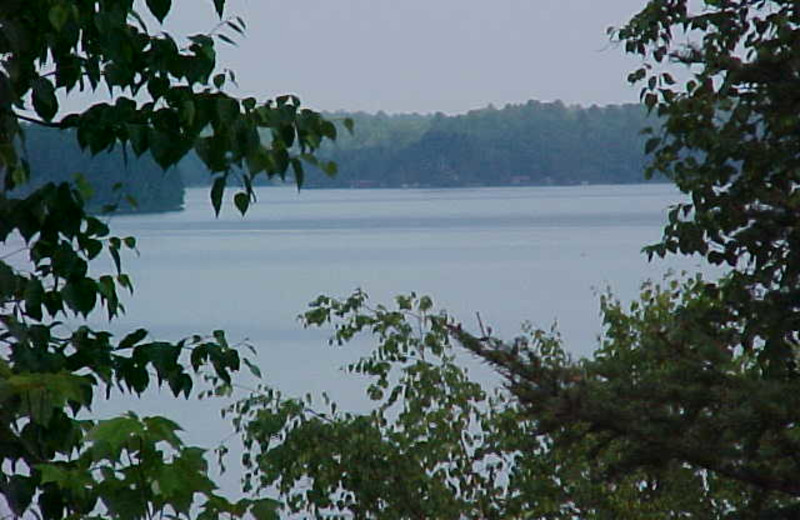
point(530, 144)
point(133, 185)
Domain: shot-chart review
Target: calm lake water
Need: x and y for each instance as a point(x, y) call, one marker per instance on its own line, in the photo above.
point(512, 254)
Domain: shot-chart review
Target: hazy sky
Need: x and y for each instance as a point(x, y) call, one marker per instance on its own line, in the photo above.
point(423, 55)
point(429, 55)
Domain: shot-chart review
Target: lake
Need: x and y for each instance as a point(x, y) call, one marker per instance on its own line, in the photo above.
point(512, 254)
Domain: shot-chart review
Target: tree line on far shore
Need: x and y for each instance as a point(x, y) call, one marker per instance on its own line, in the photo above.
point(531, 144)
point(534, 143)
point(115, 178)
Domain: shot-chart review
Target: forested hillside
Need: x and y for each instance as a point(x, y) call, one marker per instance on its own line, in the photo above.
point(530, 144)
point(135, 185)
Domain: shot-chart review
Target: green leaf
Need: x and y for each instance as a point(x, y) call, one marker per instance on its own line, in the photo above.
point(34, 294)
point(44, 99)
point(299, 174)
point(7, 281)
point(265, 509)
point(159, 8)
point(330, 168)
point(81, 295)
point(227, 110)
point(20, 175)
point(54, 473)
point(226, 39)
point(132, 339)
point(187, 112)
point(235, 26)
point(218, 80)
point(242, 201)
point(131, 200)
point(252, 367)
point(219, 336)
point(115, 433)
point(219, 6)
point(138, 138)
point(217, 191)
point(163, 429)
point(58, 15)
point(19, 493)
point(164, 148)
point(651, 144)
point(84, 186)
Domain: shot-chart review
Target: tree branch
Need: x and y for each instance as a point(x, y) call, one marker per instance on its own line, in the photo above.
point(39, 122)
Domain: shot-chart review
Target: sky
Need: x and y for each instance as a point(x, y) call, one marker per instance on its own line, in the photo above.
point(424, 55)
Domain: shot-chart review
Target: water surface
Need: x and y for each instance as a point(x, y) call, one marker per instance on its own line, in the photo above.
point(512, 254)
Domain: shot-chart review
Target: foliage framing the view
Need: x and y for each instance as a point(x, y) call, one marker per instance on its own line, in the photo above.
point(437, 445)
point(166, 98)
point(107, 181)
point(689, 407)
point(731, 140)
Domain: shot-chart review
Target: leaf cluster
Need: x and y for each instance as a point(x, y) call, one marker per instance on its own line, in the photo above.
point(166, 98)
point(53, 45)
point(50, 374)
point(729, 140)
point(435, 444)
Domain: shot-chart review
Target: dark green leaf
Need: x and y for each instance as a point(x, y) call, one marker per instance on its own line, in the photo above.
point(217, 191)
point(131, 200)
point(330, 168)
point(132, 339)
point(265, 509)
point(235, 26)
point(138, 138)
point(84, 186)
point(159, 8)
point(58, 15)
point(44, 99)
point(242, 202)
point(19, 493)
point(226, 39)
point(7, 281)
point(299, 174)
point(218, 80)
point(34, 295)
point(219, 5)
point(81, 295)
point(252, 367)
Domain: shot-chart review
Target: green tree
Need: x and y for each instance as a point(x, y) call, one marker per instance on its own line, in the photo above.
point(167, 98)
point(713, 386)
point(731, 140)
point(437, 445)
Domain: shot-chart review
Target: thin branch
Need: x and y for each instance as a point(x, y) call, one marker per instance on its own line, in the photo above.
point(38, 121)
